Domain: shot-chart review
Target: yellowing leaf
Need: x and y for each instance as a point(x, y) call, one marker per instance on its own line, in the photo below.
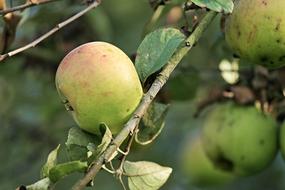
point(145, 175)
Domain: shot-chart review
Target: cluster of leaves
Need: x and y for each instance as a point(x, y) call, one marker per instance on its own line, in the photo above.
point(83, 148)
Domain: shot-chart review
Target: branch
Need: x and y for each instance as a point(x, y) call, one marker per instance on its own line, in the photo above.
point(146, 100)
point(51, 32)
point(24, 6)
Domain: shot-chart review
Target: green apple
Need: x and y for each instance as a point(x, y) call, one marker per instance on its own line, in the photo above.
point(282, 139)
point(239, 139)
point(199, 168)
point(256, 31)
point(99, 84)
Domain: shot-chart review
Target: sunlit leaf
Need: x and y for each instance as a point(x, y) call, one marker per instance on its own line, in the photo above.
point(43, 184)
point(145, 175)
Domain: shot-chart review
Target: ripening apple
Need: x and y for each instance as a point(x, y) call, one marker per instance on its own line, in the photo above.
point(239, 139)
point(99, 84)
point(256, 31)
point(199, 168)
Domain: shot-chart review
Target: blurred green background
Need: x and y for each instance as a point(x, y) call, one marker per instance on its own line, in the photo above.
point(33, 120)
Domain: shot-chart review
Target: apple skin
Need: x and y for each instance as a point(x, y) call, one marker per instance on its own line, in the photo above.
point(256, 31)
point(240, 139)
point(199, 168)
point(282, 139)
point(99, 83)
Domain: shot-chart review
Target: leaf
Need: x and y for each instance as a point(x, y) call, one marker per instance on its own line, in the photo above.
point(77, 142)
point(51, 162)
point(76, 136)
point(76, 152)
point(152, 123)
point(216, 5)
point(145, 175)
point(42, 184)
point(106, 140)
point(61, 170)
point(155, 51)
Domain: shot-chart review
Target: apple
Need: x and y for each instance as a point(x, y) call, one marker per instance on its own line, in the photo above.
point(282, 139)
point(99, 84)
point(256, 31)
point(199, 168)
point(239, 139)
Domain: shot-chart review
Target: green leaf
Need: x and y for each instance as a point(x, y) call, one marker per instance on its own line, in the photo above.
point(77, 143)
point(61, 170)
point(106, 140)
point(42, 184)
point(155, 51)
point(76, 136)
point(145, 175)
point(152, 123)
point(76, 152)
point(51, 162)
point(216, 5)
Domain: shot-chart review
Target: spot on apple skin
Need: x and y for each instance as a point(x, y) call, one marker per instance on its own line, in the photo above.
point(109, 93)
point(264, 2)
point(242, 158)
point(282, 58)
point(261, 142)
point(224, 163)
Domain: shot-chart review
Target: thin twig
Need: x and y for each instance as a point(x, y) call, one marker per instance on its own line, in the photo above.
point(146, 100)
point(24, 6)
point(127, 151)
point(51, 32)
